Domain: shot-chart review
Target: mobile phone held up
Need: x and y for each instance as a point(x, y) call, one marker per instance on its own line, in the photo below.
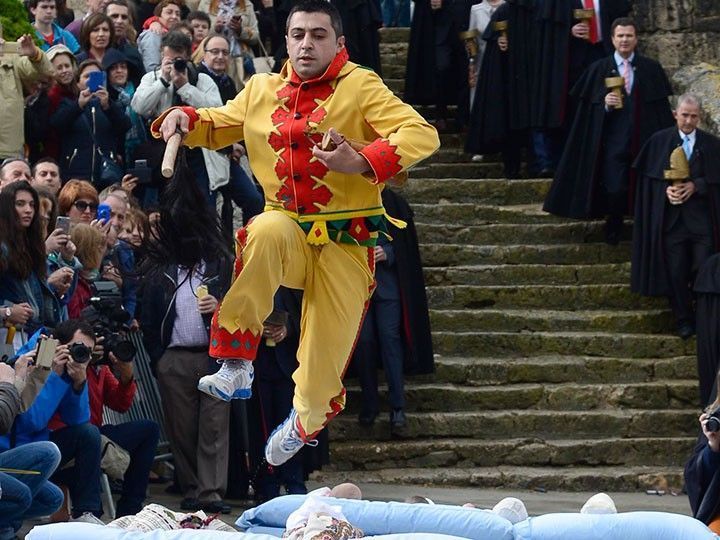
point(141, 171)
point(104, 213)
point(95, 80)
point(63, 223)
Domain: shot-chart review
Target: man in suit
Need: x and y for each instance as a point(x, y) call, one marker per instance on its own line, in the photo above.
point(676, 223)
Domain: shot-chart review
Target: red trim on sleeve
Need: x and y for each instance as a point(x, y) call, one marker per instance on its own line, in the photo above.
point(241, 345)
point(383, 159)
point(194, 116)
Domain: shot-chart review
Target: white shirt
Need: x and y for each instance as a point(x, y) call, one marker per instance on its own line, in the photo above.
point(189, 326)
point(620, 63)
point(691, 137)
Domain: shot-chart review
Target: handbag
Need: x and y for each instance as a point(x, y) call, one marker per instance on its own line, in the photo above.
point(110, 171)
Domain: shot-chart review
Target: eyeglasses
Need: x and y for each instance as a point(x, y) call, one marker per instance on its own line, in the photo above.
point(82, 206)
point(218, 52)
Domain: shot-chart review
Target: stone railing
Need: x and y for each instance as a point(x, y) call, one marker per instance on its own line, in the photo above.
point(704, 81)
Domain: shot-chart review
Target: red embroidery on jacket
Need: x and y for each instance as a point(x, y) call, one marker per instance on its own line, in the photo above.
point(383, 158)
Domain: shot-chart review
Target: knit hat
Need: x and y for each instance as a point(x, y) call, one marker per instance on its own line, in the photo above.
point(55, 50)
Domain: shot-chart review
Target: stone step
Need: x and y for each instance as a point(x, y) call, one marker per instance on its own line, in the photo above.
point(571, 254)
point(463, 453)
point(516, 233)
point(561, 343)
point(652, 321)
point(394, 35)
point(394, 69)
point(555, 369)
point(602, 424)
point(575, 297)
point(395, 85)
point(477, 214)
point(424, 187)
point(447, 140)
point(546, 397)
point(522, 274)
point(454, 155)
point(592, 479)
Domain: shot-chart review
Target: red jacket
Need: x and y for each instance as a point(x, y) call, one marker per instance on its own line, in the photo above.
point(103, 389)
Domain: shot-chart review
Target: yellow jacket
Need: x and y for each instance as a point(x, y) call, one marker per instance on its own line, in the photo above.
point(281, 117)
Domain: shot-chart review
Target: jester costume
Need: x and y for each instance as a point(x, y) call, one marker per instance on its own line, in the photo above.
point(319, 226)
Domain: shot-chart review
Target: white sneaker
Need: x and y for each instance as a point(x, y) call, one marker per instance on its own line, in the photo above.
point(511, 509)
point(477, 158)
point(87, 517)
point(232, 381)
point(600, 503)
point(285, 441)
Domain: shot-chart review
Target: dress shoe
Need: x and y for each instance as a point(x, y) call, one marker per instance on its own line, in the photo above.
point(215, 507)
point(366, 418)
point(686, 331)
point(546, 173)
point(398, 423)
point(190, 503)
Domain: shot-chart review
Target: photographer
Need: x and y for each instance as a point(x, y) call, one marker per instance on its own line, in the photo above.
point(65, 393)
point(23, 496)
point(177, 82)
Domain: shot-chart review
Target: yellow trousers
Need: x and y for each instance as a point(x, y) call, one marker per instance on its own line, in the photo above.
point(338, 280)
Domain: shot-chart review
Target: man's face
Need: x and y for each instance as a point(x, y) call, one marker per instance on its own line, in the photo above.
point(216, 54)
point(118, 209)
point(625, 40)
point(14, 171)
point(45, 12)
point(120, 16)
point(312, 43)
point(170, 16)
point(95, 6)
point(687, 116)
point(47, 175)
point(118, 74)
point(200, 29)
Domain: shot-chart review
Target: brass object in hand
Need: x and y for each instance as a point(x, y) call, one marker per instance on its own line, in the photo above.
point(501, 26)
point(584, 15)
point(615, 85)
point(679, 170)
point(470, 39)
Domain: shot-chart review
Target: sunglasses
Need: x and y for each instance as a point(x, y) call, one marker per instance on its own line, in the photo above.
point(82, 206)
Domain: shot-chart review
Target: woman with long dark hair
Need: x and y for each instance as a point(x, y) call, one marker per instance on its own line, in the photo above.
point(23, 272)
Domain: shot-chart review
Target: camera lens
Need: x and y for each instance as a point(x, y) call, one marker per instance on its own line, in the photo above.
point(124, 350)
point(80, 353)
point(713, 424)
point(180, 64)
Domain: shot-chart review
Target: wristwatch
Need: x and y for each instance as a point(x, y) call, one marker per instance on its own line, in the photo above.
point(7, 313)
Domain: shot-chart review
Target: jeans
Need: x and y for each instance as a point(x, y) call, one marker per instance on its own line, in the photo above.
point(242, 191)
point(396, 13)
point(28, 496)
point(82, 443)
point(140, 439)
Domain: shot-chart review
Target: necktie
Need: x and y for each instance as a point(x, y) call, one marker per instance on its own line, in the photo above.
point(626, 75)
point(594, 38)
point(686, 146)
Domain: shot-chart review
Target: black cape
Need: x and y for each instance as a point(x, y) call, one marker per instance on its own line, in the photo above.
point(707, 311)
point(502, 99)
point(562, 58)
point(415, 317)
point(575, 192)
point(361, 20)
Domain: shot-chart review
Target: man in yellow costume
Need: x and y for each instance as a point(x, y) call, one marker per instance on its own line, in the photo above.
point(322, 216)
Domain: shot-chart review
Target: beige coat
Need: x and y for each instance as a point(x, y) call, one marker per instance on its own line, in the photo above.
point(16, 71)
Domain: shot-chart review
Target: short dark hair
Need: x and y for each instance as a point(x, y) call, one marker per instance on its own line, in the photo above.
point(65, 331)
point(164, 3)
point(41, 161)
point(200, 15)
point(86, 64)
point(177, 41)
point(623, 21)
point(318, 6)
point(34, 3)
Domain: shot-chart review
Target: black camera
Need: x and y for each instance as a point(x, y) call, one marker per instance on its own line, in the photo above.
point(80, 353)
point(107, 317)
point(713, 422)
point(180, 64)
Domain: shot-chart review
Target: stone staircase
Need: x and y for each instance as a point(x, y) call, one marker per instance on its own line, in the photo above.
point(550, 373)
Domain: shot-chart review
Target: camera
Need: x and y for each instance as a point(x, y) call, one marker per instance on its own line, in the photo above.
point(80, 353)
point(713, 422)
point(180, 64)
point(107, 317)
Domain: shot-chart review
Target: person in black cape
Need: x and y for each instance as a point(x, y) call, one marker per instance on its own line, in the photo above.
point(593, 176)
point(707, 291)
point(361, 20)
point(500, 114)
point(562, 53)
point(676, 227)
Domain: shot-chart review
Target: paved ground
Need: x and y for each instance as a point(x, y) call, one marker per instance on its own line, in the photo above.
point(536, 503)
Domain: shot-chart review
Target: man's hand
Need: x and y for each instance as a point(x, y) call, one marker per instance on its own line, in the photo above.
point(502, 43)
point(175, 121)
point(68, 251)
point(274, 332)
point(435, 4)
point(62, 355)
point(77, 373)
point(102, 94)
point(125, 370)
point(60, 280)
point(581, 30)
point(129, 183)
point(680, 193)
point(344, 159)
point(713, 437)
point(267, 3)
point(380, 254)
point(20, 314)
point(179, 78)
point(110, 272)
point(56, 241)
point(84, 97)
point(26, 46)
point(207, 304)
point(612, 100)
point(238, 151)
point(166, 68)
point(472, 79)
point(7, 374)
point(157, 28)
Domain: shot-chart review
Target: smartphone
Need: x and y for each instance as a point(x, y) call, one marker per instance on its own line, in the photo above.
point(95, 80)
point(63, 222)
point(46, 352)
point(104, 212)
point(9, 47)
point(141, 170)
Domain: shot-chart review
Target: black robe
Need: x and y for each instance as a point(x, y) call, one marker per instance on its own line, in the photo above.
point(707, 323)
point(502, 99)
point(575, 191)
point(562, 58)
point(415, 317)
point(361, 20)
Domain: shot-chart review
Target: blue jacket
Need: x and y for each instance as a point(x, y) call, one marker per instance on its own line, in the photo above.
point(36, 293)
point(57, 395)
point(60, 37)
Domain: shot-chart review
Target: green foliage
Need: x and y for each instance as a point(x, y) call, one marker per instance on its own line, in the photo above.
point(14, 20)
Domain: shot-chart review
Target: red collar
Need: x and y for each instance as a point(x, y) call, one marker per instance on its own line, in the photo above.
point(332, 71)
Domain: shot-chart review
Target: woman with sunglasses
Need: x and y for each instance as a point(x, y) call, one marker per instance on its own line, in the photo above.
point(78, 200)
